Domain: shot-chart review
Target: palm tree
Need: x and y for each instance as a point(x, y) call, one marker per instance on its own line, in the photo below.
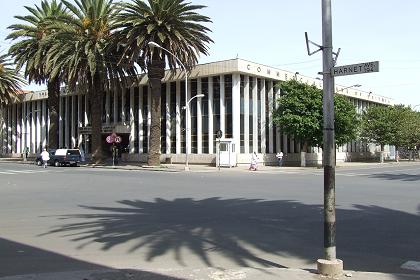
point(85, 51)
point(174, 25)
point(30, 53)
point(10, 81)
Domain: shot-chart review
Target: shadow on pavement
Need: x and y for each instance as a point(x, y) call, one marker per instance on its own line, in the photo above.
point(238, 228)
point(399, 177)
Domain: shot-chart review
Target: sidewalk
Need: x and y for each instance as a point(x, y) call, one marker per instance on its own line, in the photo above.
point(180, 167)
point(208, 274)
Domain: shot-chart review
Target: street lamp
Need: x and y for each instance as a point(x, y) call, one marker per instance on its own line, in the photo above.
point(153, 44)
point(353, 86)
point(187, 109)
point(26, 132)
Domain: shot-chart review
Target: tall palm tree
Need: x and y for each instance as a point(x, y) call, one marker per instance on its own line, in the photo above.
point(85, 51)
point(10, 81)
point(30, 53)
point(174, 25)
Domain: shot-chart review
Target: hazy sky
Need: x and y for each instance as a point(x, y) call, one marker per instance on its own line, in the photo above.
point(271, 32)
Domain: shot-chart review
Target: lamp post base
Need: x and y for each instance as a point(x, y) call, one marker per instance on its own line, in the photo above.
point(329, 268)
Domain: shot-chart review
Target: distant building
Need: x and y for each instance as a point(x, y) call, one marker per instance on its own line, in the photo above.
point(238, 100)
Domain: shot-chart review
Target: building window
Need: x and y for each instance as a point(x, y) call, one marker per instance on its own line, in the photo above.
point(163, 119)
point(182, 97)
point(172, 107)
point(228, 106)
point(267, 120)
point(136, 117)
point(216, 107)
point(242, 116)
point(259, 116)
point(193, 114)
point(145, 119)
point(251, 115)
point(205, 115)
point(127, 105)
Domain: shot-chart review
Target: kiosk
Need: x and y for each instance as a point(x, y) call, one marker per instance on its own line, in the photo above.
point(225, 153)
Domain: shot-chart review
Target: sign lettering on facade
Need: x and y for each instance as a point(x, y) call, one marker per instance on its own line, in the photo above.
point(353, 69)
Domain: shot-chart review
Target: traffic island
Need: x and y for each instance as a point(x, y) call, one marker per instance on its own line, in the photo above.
point(333, 268)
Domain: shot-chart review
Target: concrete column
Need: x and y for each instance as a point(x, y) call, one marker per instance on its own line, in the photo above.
point(107, 106)
point(9, 129)
point(278, 131)
point(60, 121)
point(44, 129)
point(188, 140)
point(19, 134)
point(178, 117)
point(80, 117)
point(132, 124)
point(73, 120)
point(122, 105)
point(28, 126)
point(255, 114)
point(168, 117)
point(210, 107)
point(263, 118)
point(270, 118)
point(13, 127)
point(38, 127)
point(236, 111)
point(246, 114)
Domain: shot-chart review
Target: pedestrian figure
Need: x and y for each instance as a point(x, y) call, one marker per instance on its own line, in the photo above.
point(254, 162)
point(279, 157)
point(45, 155)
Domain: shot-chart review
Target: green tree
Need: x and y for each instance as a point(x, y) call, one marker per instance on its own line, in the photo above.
point(10, 81)
point(299, 113)
point(85, 50)
point(376, 126)
point(176, 26)
point(30, 53)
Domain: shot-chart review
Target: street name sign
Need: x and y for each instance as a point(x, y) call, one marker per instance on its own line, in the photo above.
point(352, 69)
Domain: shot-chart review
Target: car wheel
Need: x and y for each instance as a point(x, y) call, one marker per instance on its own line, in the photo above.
point(57, 163)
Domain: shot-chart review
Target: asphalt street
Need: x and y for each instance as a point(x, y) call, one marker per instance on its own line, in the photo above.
point(77, 218)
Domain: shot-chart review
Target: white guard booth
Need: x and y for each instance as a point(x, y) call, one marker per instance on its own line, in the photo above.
point(225, 153)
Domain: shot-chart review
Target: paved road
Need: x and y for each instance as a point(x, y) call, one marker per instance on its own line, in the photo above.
point(61, 219)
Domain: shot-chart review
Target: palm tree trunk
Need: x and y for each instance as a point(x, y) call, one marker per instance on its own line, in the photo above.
point(53, 106)
point(96, 93)
point(156, 71)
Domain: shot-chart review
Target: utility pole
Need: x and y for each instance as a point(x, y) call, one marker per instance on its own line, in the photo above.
point(330, 266)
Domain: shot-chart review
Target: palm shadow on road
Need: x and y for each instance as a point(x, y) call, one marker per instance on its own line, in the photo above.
point(249, 232)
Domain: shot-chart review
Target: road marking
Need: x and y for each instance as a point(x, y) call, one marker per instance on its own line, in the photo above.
point(15, 172)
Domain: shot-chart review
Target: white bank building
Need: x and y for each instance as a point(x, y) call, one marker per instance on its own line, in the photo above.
point(238, 98)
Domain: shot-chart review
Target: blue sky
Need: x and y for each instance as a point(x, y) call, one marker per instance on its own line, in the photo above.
point(271, 32)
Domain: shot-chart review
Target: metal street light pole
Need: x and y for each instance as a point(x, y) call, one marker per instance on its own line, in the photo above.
point(153, 44)
point(330, 265)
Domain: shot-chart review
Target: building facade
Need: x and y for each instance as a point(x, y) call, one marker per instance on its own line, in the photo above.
point(238, 99)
